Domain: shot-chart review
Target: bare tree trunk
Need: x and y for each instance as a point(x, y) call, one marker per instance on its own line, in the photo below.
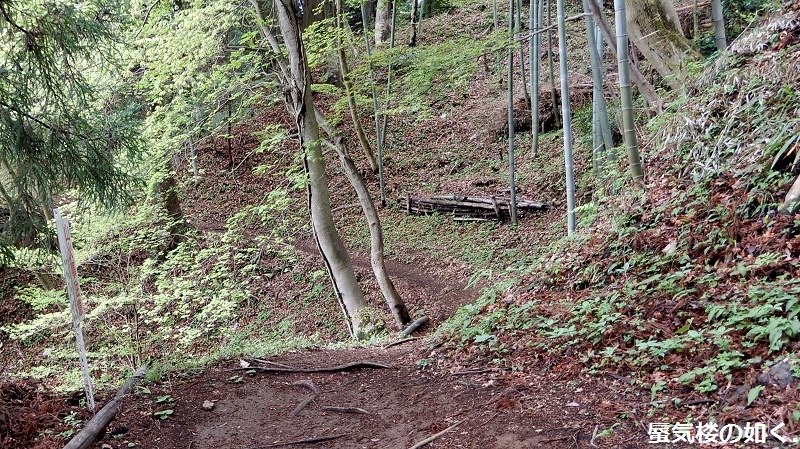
point(511, 157)
point(383, 21)
point(566, 115)
point(389, 292)
point(548, 17)
point(165, 194)
point(517, 28)
point(537, 9)
point(312, 12)
point(414, 12)
point(719, 25)
point(654, 28)
point(298, 93)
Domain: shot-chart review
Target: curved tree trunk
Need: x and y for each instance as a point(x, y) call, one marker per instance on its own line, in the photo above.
point(389, 292)
point(654, 28)
point(298, 92)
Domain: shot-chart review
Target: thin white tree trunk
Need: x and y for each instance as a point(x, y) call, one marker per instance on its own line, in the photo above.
point(334, 254)
point(348, 89)
point(389, 292)
point(383, 21)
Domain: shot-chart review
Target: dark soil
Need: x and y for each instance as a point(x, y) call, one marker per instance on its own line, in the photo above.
point(406, 404)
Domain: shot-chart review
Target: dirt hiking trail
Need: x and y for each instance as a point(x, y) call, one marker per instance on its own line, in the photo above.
point(404, 404)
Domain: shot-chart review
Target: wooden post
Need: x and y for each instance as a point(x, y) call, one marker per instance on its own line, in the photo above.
point(75, 300)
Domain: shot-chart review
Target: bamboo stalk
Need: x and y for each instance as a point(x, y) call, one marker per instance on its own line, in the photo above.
point(550, 63)
point(517, 30)
point(498, 58)
point(719, 25)
point(629, 130)
point(389, 82)
point(566, 116)
point(604, 131)
point(644, 86)
point(511, 174)
point(534, 54)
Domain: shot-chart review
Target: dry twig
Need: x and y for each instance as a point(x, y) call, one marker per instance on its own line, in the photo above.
point(400, 342)
point(356, 410)
point(435, 436)
point(306, 441)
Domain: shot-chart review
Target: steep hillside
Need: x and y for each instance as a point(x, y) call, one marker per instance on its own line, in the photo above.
point(689, 291)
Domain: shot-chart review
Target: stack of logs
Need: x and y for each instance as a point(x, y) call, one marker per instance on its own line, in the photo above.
point(472, 208)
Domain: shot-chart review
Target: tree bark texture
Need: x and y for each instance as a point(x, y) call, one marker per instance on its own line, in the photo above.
point(298, 93)
point(383, 21)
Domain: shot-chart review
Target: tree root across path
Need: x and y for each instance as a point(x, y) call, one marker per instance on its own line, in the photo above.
point(330, 369)
point(306, 441)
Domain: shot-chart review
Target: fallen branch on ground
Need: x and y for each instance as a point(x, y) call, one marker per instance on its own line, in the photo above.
point(303, 404)
point(468, 372)
point(435, 436)
point(414, 326)
point(96, 425)
point(306, 441)
point(400, 342)
point(469, 208)
point(331, 369)
point(356, 410)
point(308, 385)
point(267, 362)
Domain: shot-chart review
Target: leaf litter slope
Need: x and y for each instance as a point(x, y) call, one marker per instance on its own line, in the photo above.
point(405, 404)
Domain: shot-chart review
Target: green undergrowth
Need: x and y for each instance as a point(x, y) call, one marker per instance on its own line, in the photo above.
point(171, 301)
point(691, 288)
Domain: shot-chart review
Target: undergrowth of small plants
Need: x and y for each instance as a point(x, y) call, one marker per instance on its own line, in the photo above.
point(688, 290)
point(173, 301)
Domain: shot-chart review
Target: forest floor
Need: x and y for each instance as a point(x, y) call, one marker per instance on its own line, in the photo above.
point(421, 392)
point(400, 406)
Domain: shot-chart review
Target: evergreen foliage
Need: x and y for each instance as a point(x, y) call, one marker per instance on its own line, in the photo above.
point(60, 131)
